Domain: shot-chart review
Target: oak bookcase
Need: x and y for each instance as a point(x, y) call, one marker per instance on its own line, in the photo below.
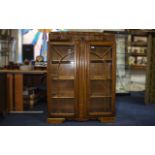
point(81, 76)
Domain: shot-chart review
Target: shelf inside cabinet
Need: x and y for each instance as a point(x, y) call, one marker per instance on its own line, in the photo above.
point(101, 60)
point(63, 78)
point(62, 97)
point(62, 114)
point(138, 54)
point(138, 66)
point(138, 44)
point(99, 78)
point(99, 113)
point(100, 96)
point(62, 62)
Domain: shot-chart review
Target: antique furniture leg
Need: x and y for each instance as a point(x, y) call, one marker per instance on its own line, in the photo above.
point(107, 119)
point(10, 92)
point(55, 120)
point(19, 92)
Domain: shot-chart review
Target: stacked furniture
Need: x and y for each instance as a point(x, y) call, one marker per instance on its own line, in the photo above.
point(81, 76)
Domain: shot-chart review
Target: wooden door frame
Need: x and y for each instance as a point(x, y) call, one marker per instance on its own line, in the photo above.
point(113, 71)
point(76, 73)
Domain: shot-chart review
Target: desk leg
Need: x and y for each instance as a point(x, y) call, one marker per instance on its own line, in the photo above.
point(9, 92)
point(19, 92)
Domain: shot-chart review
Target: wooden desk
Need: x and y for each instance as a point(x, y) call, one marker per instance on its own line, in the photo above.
point(15, 87)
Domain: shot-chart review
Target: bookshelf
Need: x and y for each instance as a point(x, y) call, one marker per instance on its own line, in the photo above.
point(81, 76)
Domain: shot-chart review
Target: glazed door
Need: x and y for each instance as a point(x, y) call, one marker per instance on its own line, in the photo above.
point(100, 78)
point(62, 79)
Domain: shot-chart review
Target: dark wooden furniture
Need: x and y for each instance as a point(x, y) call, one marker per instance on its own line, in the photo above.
point(3, 94)
point(150, 76)
point(81, 76)
point(16, 79)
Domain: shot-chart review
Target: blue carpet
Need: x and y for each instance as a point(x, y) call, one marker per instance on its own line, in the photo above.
point(130, 111)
